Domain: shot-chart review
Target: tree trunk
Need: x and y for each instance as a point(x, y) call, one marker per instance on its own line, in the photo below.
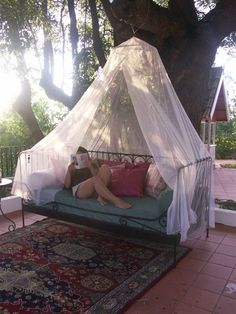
point(22, 106)
point(186, 45)
point(97, 42)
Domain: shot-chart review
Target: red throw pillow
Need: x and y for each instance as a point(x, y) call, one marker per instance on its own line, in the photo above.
point(128, 182)
point(110, 163)
point(145, 165)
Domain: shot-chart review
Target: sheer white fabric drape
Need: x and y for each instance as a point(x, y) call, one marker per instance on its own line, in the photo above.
point(131, 107)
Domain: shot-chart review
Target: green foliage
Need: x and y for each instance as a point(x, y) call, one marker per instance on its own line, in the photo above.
point(232, 166)
point(48, 115)
point(17, 21)
point(226, 139)
point(86, 63)
point(13, 131)
point(21, 27)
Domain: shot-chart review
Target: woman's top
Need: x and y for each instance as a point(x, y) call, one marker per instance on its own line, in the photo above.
point(80, 175)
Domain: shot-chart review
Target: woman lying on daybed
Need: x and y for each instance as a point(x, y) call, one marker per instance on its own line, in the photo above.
point(92, 182)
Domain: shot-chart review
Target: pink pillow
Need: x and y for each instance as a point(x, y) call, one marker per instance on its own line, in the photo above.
point(128, 182)
point(127, 164)
point(144, 165)
point(110, 163)
point(121, 166)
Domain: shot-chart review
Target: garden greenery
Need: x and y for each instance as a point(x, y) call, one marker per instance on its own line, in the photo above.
point(226, 138)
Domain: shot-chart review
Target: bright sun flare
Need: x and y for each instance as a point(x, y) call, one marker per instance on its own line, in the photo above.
point(9, 89)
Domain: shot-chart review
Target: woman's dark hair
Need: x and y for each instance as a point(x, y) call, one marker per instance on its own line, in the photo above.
point(82, 150)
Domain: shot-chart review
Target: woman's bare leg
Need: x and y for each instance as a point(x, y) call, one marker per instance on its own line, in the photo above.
point(104, 174)
point(106, 194)
point(87, 188)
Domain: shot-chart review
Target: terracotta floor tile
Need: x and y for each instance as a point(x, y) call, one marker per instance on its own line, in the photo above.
point(200, 254)
point(189, 243)
point(214, 238)
point(216, 270)
point(223, 259)
point(3, 230)
point(233, 275)
point(229, 241)
point(5, 223)
point(206, 245)
point(163, 289)
point(191, 264)
point(231, 236)
point(220, 195)
point(210, 283)
point(226, 229)
point(181, 276)
point(201, 298)
point(225, 180)
point(34, 216)
point(28, 222)
point(218, 231)
point(225, 306)
point(228, 187)
point(182, 308)
point(15, 214)
point(162, 305)
point(226, 249)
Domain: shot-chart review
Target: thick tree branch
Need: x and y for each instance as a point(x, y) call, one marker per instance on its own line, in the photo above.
point(46, 82)
point(221, 20)
point(122, 31)
point(97, 42)
point(185, 10)
point(54, 92)
point(148, 16)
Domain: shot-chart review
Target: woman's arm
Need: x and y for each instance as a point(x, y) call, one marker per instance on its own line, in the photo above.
point(67, 182)
point(93, 168)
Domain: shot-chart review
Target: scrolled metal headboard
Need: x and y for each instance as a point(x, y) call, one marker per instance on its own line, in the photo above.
point(120, 156)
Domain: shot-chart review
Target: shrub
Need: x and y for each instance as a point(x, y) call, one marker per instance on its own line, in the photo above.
point(225, 147)
point(226, 138)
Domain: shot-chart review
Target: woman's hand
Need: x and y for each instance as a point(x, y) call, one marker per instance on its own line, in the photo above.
point(71, 167)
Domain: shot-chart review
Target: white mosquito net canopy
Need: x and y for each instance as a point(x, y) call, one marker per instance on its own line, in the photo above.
point(131, 107)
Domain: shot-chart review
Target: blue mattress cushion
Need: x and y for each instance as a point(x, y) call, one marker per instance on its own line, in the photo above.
point(144, 212)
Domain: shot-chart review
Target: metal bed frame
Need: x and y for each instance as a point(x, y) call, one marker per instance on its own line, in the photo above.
point(53, 209)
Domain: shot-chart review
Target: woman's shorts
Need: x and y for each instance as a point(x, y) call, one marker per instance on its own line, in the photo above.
point(74, 189)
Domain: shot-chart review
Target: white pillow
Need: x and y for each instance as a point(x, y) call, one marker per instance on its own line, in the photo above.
point(40, 179)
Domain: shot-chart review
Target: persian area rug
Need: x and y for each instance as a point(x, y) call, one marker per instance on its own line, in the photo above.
point(58, 267)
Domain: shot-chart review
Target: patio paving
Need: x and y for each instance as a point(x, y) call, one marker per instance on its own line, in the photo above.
point(204, 282)
point(225, 183)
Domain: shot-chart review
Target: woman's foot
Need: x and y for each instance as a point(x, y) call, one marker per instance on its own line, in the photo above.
point(122, 204)
point(102, 200)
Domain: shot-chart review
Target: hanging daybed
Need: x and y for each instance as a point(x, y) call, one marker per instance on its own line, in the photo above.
point(131, 111)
